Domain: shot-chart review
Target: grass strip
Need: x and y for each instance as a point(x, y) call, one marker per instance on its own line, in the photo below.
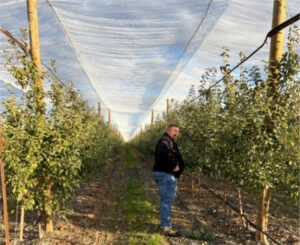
point(139, 215)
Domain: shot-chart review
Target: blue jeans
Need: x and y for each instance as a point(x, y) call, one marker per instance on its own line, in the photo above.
point(167, 185)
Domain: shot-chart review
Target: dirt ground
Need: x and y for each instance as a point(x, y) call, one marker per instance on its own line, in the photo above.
point(95, 215)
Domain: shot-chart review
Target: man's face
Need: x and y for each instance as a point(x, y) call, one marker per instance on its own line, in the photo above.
point(173, 132)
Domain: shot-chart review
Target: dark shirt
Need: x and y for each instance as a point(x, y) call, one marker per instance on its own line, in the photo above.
point(167, 156)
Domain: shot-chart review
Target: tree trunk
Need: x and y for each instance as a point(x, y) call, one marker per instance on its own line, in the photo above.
point(48, 210)
point(39, 225)
point(262, 215)
point(199, 184)
point(22, 223)
point(3, 185)
point(225, 196)
point(241, 207)
point(193, 184)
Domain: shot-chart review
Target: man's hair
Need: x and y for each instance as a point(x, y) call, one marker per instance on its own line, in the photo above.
point(172, 125)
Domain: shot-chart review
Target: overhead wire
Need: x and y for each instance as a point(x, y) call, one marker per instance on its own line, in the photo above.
point(54, 74)
point(269, 34)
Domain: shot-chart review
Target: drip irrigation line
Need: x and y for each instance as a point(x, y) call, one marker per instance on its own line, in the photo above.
point(243, 215)
point(38, 220)
point(269, 35)
point(238, 212)
point(279, 204)
point(285, 208)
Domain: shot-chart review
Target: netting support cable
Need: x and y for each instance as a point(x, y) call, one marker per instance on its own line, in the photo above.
point(75, 51)
point(181, 56)
point(10, 36)
point(25, 48)
point(188, 45)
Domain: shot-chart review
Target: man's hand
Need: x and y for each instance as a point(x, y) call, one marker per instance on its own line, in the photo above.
point(176, 169)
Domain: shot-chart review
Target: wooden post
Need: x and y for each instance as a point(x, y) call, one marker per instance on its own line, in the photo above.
point(168, 108)
point(39, 100)
point(35, 49)
point(152, 117)
point(276, 47)
point(99, 111)
point(279, 14)
point(4, 199)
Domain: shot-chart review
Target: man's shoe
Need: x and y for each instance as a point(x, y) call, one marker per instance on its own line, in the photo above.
point(170, 232)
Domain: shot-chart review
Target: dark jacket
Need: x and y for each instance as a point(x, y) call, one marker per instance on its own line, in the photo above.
point(167, 156)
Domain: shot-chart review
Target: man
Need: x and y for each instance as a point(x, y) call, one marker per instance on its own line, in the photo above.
point(168, 166)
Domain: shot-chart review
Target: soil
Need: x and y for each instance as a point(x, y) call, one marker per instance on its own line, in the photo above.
point(94, 216)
